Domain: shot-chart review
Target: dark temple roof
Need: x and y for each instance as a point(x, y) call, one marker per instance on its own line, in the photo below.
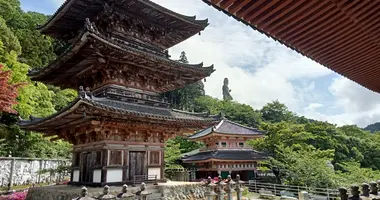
point(233, 155)
point(98, 107)
point(81, 55)
point(70, 17)
point(228, 127)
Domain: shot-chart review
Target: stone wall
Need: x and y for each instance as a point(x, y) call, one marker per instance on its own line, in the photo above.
point(189, 191)
point(25, 170)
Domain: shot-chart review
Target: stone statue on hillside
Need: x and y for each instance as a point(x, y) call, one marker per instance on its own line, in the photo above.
point(226, 91)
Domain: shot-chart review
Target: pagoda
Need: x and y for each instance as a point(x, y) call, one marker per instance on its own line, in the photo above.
point(226, 152)
point(116, 54)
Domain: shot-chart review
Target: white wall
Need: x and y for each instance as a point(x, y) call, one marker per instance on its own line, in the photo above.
point(76, 176)
point(97, 175)
point(114, 175)
point(155, 171)
point(26, 169)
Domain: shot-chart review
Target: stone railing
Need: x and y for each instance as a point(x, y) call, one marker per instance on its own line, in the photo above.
point(141, 194)
point(368, 191)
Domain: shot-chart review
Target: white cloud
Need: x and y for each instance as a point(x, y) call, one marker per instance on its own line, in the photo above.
point(58, 2)
point(260, 70)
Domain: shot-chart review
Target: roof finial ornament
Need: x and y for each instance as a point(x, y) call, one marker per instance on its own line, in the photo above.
point(88, 92)
point(82, 93)
point(222, 115)
point(226, 91)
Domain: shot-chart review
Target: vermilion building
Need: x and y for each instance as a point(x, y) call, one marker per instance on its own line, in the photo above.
point(226, 151)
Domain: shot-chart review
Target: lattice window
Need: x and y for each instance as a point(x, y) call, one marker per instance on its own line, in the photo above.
point(116, 157)
point(154, 158)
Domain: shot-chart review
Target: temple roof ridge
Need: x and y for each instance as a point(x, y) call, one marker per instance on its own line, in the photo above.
point(65, 7)
point(82, 39)
point(115, 106)
point(228, 127)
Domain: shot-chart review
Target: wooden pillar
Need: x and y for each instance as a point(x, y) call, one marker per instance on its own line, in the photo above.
point(163, 164)
point(104, 165)
point(125, 166)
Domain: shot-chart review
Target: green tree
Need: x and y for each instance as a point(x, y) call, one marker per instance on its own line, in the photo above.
point(276, 112)
point(172, 154)
point(234, 111)
point(184, 98)
point(305, 166)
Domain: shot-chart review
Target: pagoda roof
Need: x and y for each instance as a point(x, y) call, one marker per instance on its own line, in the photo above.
point(71, 15)
point(80, 56)
point(227, 127)
point(226, 155)
point(86, 108)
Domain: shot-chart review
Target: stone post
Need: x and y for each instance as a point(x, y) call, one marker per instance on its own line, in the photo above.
point(230, 185)
point(343, 193)
point(106, 194)
point(83, 195)
point(239, 188)
point(125, 195)
point(210, 194)
point(355, 193)
point(221, 185)
point(144, 194)
point(374, 189)
point(365, 190)
point(10, 182)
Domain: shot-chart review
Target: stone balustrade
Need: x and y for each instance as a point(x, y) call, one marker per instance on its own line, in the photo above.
point(365, 191)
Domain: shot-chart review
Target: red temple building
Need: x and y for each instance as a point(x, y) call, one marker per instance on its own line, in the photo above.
point(226, 152)
point(116, 54)
point(342, 35)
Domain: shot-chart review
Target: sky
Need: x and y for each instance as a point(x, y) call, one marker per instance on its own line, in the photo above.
point(261, 70)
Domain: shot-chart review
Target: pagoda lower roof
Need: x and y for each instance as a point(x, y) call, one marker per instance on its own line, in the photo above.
point(71, 15)
point(87, 108)
point(91, 46)
point(226, 127)
point(225, 155)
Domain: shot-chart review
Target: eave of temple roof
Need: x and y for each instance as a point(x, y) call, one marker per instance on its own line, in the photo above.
point(225, 155)
point(125, 110)
point(340, 35)
point(45, 74)
point(74, 12)
point(227, 127)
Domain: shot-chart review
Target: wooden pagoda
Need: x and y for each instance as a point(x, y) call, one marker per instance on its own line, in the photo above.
point(226, 152)
point(117, 56)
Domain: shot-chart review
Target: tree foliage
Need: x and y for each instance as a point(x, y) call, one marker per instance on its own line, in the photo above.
point(22, 47)
point(8, 92)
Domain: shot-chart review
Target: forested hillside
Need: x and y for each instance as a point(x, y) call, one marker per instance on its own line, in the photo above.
point(302, 151)
point(373, 127)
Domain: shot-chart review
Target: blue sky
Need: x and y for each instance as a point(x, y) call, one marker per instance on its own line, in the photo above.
point(261, 70)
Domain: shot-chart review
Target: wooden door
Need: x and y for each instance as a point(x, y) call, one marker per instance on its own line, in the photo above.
point(86, 167)
point(137, 163)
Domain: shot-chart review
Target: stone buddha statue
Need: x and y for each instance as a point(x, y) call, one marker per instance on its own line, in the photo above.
point(226, 91)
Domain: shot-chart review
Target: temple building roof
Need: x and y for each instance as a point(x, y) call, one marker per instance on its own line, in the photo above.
point(225, 155)
point(227, 127)
point(70, 17)
point(86, 108)
point(92, 55)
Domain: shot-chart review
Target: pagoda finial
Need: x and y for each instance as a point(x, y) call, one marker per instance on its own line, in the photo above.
point(82, 93)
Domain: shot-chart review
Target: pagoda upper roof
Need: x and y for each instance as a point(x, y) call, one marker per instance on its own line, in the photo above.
point(227, 127)
point(225, 155)
point(90, 46)
point(70, 17)
point(86, 108)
